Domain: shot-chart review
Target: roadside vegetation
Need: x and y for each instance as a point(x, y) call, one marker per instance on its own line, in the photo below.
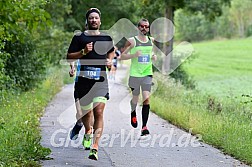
point(20, 118)
point(220, 107)
point(35, 35)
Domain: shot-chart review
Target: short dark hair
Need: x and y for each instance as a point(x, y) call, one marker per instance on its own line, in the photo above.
point(91, 10)
point(143, 19)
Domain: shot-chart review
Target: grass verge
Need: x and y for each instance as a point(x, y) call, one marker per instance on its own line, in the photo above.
point(19, 122)
point(225, 124)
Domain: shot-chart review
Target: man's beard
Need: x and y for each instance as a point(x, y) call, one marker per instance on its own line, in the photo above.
point(93, 28)
point(144, 32)
point(90, 27)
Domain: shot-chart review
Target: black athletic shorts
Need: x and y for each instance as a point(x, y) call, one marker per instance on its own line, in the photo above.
point(86, 90)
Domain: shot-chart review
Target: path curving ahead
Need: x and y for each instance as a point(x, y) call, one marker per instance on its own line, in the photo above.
point(167, 146)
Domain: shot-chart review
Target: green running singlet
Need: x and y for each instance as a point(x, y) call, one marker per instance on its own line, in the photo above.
point(141, 66)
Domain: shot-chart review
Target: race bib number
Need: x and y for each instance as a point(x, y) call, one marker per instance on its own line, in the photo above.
point(92, 72)
point(144, 59)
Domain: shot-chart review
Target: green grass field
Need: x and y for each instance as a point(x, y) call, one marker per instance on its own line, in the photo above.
point(218, 108)
point(222, 68)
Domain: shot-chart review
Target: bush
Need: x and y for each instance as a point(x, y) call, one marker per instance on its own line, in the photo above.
point(54, 45)
point(249, 31)
point(25, 66)
point(5, 81)
point(182, 76)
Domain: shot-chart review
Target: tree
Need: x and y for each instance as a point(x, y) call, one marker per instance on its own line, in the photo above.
point(111, 11)
point(166, 8)
point(192, 27)
point(59, 13)
point(241, 16)
point(18, 21)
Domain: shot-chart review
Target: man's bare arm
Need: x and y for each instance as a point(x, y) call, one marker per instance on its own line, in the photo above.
point(110, 58)
point(154, 50)
point(81, 53)
point(129, 45)
point(75, 55)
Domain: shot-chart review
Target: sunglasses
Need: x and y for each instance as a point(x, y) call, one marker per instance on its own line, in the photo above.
point(144, 26)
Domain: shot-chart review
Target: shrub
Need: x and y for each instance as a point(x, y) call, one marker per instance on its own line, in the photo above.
point(25, 66)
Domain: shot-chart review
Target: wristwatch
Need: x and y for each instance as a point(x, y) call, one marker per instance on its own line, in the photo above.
point(83, 52)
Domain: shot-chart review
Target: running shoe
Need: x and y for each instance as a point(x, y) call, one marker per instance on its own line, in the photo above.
point(134, 121)
point(93, 154)
point(87, 141)
point(75, 131)
point(144, 131)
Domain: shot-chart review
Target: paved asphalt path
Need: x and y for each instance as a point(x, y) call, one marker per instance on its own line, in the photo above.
point(121, 145)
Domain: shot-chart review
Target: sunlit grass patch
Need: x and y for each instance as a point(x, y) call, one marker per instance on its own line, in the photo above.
point(19, 122)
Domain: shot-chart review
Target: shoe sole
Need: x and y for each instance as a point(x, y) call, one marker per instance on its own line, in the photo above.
point(146, 134)
point(143, 137)
point(74, 138)
point(92, 157)
point(87, 148)
point(134, 126)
